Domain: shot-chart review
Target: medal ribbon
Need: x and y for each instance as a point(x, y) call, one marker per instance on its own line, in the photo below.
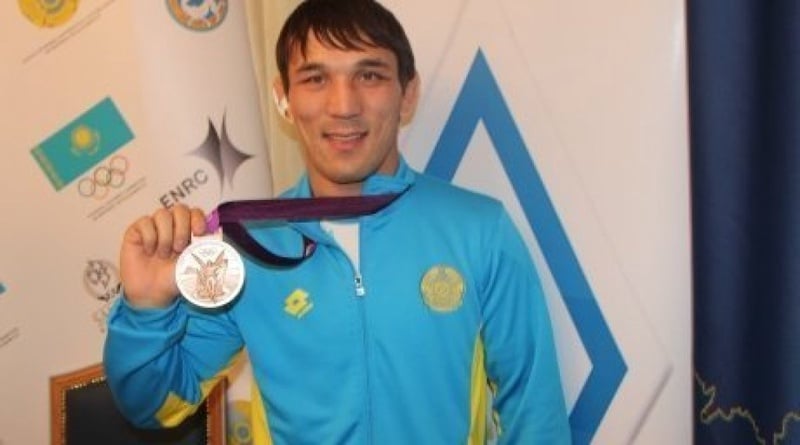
point(232, 215)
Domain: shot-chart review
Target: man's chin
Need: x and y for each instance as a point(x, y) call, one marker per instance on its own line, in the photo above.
point(350, 180)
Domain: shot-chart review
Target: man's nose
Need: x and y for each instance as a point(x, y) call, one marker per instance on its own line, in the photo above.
point(343, 100)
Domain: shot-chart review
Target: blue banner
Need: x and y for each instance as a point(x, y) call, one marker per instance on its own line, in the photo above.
point(81, 144)
point(744, 73)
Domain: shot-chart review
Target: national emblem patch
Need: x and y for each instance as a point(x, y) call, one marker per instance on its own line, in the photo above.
point(442, 288)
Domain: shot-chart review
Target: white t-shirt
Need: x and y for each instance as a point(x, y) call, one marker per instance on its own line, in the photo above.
point(346, 234)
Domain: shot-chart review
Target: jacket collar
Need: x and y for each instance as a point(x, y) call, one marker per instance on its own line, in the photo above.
point(377, 184)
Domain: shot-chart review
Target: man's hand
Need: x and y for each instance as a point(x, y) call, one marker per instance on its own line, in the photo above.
point(150, 249)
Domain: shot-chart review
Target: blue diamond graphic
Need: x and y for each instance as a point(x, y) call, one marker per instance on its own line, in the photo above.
point(480, 99)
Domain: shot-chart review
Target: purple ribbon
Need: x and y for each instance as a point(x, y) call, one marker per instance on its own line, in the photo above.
point(233, 214)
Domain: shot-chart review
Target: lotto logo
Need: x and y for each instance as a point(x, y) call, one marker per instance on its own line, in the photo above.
point(298, 304)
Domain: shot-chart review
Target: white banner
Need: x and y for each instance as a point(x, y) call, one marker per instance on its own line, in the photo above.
point(113, 109)
point(574, 114)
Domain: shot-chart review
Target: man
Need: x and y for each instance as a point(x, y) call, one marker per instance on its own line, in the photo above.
point(399, 328)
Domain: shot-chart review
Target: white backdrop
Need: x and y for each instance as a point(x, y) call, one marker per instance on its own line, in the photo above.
point(597, 92)
point(174, 88)
point(591, 160)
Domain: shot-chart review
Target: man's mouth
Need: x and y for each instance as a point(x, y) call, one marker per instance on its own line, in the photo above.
point(345, 136)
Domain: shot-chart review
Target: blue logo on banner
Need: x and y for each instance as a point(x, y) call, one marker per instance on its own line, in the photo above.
point(480, 99)
point(2, 289)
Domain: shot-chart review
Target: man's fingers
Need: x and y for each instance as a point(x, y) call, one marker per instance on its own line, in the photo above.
point(198, 222)
point(167, 231)
point(182, 227)
point(164, 225)
point(143, 233)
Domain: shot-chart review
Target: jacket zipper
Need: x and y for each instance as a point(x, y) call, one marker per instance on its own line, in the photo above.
point(360, 292)
point(359, 285)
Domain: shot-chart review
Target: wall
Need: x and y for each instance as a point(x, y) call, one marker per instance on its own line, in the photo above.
point(132, 107)
point(592, 161)
point(574, 114)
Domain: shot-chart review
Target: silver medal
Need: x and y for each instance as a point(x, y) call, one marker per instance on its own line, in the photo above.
point(209, 272)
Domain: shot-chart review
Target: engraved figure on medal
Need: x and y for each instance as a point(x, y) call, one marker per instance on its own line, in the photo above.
point(209, 273)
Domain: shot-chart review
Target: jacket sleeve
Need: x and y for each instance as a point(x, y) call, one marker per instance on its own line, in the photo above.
point(521, 360)
point(161, 363)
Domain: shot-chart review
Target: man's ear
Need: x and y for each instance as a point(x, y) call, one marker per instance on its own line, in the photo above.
point(279, 97)
point(410, 99)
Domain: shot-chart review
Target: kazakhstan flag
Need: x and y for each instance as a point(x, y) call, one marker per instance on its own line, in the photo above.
point(74, 149)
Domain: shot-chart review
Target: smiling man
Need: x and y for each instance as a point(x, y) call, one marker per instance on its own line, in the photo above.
point(421, 323)
point(347, 107)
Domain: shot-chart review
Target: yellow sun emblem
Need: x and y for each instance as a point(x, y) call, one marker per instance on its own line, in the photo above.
point(48, 13)
point(84, 140)
point(442, 288)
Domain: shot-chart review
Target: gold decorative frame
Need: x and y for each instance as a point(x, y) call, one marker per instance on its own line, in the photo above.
point(94, 375)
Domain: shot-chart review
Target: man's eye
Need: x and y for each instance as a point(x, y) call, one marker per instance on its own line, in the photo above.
point(371, 76)
point(313, 79)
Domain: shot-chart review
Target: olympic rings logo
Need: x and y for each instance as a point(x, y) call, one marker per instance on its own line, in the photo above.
point(104, 178)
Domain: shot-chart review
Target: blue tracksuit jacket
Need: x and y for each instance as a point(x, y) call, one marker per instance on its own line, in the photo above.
point(440, 336)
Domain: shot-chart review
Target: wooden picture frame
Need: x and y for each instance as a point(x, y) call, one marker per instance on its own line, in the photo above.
point(83, 412)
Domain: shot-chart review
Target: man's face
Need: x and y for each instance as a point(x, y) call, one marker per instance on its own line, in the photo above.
point(347, 107)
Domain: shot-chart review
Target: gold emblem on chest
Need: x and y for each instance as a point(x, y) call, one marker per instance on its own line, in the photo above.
point(442, 288)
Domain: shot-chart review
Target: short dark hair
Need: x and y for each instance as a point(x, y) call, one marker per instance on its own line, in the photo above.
point(347, 25)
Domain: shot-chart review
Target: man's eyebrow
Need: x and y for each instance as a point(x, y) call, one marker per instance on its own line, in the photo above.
point(373, 63)
point(306, 67)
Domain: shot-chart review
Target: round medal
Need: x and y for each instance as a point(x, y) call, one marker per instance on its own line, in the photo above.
point(209, 273)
